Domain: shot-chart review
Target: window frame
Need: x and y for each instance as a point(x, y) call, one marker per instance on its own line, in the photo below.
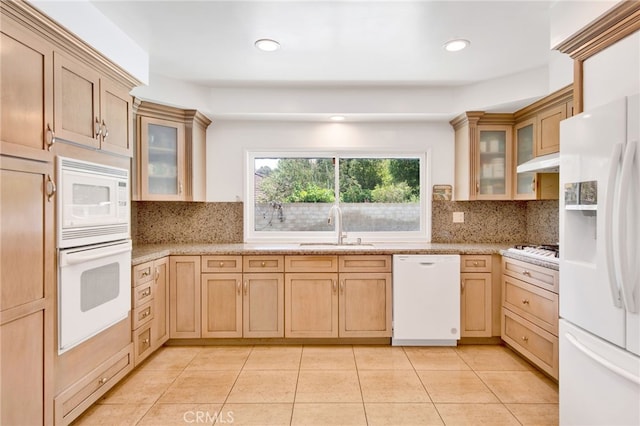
point(421, 236)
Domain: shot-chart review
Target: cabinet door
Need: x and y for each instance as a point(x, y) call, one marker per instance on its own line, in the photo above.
point(160, 322)
point(26, 104)
point(184, 297)
point(525, 143)
point(263, 305)
point(161, 159)
point(115, 122)
point(549, 129)
point(365, 305)
point(221, 305)
point(475, 304)
point(494, 163)
point(26, 292)
point(77, 102)
point(311, 305)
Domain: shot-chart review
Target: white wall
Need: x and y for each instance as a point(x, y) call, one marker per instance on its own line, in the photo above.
point(87, 22)
point(612, 73)
point(570, 16)
point(227, 141)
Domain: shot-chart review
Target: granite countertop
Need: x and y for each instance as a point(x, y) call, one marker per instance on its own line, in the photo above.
point(147, 252)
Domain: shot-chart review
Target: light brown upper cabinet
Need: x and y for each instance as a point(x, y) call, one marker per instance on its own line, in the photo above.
point(483, 156)
point(26, 104)
point(171, 153)
point(536, 133)
point(90, 109)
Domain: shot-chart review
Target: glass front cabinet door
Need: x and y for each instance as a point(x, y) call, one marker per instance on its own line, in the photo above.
point(494, 163)
point(162, 159)
point(525, 183)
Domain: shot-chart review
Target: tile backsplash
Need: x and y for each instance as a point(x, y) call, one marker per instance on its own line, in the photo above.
point(158, 222)
point(511, 222)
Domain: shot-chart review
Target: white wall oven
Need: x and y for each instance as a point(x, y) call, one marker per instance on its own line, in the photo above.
point(94, 249)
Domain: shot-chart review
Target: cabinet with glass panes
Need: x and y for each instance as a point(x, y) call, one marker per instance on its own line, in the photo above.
point(170, 156)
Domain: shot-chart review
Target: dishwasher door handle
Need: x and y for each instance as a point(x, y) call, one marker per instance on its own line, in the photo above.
point(427, 263)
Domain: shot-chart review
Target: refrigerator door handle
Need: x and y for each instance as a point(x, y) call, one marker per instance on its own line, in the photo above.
point(608, 225)
point(626, 277)
point(602, 361)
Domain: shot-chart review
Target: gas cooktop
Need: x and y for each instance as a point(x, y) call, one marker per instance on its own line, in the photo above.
point(550, 253)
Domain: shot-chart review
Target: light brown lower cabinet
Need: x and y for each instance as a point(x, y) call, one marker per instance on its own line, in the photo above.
point(530, 312)
point(339, 296)
point(185, 295)
point(27, 277)
point(222, 305)
point(150, 307)
point(263, 305)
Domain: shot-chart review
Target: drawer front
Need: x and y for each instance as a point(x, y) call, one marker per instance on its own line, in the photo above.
point(533, 303)
point(311, 264)
point(475, 263)
point(79, 396)
point(142, 342)
point(142, 315)
point(539, 346)
point(225, 264)
point(365, 263)
point(142, 273)
point(263, 264)
point(142, 294)
point(533, 274)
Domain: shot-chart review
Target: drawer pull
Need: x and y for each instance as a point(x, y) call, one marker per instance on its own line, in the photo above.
point(145, 341)
point(525, 339)
point(245, 288)
point(475, 263)
point(145, 314)
point(145, 273)
point(221, 264)
point(103, 381)
point(238, 286)
point(157, 275)
point(525, 301)
point(146, 293)
point(263, 264)
point(527, 273)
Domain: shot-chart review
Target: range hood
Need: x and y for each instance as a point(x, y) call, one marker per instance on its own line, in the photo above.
point(549, 163)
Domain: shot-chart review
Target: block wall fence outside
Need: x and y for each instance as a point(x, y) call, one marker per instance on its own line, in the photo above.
point(357, 217)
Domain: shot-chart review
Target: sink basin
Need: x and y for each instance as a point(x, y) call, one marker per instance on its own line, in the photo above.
point(336, 244)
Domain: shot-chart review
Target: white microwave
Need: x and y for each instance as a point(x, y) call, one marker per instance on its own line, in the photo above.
point(93, 203)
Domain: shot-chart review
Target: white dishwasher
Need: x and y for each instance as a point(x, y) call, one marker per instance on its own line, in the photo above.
point(426, 300)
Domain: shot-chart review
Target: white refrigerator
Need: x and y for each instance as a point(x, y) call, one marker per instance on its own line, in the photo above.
point(599, 205)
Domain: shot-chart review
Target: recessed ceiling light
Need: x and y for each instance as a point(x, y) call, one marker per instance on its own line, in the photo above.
point(456, 45)
point(337, 118)
point(267, 45)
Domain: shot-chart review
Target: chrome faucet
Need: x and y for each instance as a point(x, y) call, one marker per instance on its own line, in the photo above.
point(332, 213)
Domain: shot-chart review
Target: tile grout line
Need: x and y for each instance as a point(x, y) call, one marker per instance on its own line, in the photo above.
point(234, 382)
point(425, 386)
point(295, 390)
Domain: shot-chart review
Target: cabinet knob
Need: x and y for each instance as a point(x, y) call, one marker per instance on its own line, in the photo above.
point(145, 314)
point(527, 273)
point(103, 380)
point(525, 301)
point(145, 341)
point(263, 264)
point(146, 293)
point(525, 339)
point(238, 286)
point(157, 271)
point(221, 264)
point(245, 288)
point(146, 273)
point(475, 263)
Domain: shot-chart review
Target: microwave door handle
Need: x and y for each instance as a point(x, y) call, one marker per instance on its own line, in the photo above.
point(609, 204)
point(75, 258)
point(626, 282)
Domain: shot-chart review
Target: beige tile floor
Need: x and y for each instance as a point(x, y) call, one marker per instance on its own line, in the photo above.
point(330, 385)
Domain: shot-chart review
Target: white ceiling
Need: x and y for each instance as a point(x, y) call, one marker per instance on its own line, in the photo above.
point(334, 43)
